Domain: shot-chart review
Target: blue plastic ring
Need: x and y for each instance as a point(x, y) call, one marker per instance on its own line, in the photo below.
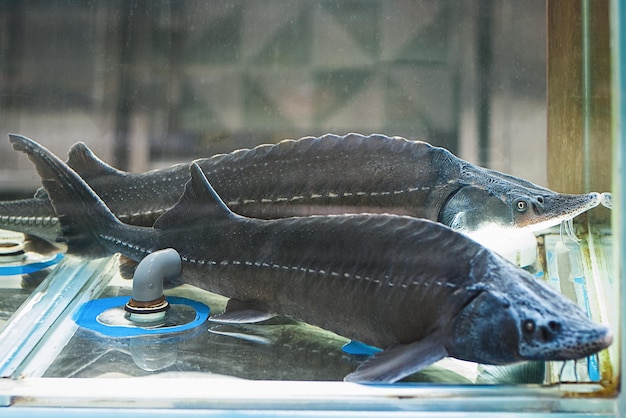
point(87, 315)
point(29, 268)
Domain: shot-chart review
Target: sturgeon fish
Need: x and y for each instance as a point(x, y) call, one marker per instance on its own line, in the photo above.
point(320, 175)
point(385, 280)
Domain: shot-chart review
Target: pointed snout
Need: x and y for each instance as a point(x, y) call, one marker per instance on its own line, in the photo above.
point(570, 204)
point(585, 343)
point(607, 340)
point(563, 339)
point(539, 212)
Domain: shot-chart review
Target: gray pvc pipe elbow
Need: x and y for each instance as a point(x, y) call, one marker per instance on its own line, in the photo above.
point(152, 271)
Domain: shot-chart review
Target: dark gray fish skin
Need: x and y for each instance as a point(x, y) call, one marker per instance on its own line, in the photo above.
point(34, 217)
point(385, 280)
point(325, 175)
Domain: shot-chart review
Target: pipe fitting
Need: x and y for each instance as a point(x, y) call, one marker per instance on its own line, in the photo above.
point(148, 298)
point(11, 251)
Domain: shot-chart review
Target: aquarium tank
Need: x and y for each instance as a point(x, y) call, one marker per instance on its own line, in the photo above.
point(303, 208)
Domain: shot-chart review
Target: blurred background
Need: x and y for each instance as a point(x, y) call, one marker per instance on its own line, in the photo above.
point(149, 83)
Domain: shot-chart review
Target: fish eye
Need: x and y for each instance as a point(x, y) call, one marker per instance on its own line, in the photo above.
point(529, 326)
point(521, 206)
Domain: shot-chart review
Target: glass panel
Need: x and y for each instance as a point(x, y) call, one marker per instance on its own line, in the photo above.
point(147, 85)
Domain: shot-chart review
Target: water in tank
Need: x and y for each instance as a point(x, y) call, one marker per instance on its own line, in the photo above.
point(334, 206)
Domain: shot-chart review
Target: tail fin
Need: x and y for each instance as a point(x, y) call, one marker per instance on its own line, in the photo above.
point(80, 211)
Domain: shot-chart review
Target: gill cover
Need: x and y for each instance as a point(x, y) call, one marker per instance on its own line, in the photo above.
point(486, 331)
point(470, 207)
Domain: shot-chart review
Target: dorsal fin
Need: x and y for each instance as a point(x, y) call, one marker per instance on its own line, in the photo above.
point(88, 165)
point(199, 203)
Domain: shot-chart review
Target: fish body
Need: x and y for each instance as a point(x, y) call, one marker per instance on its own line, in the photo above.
point(385, 280)
point(319, 176)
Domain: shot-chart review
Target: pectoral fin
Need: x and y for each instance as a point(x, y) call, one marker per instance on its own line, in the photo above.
point(242, 312)
point(127, 267)
point(400, 361)
point(240, 334)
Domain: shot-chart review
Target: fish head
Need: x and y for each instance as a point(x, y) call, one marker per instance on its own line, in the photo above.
point(536, 211)
point(522, 318)
point(548, 334)
point(508, 206)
